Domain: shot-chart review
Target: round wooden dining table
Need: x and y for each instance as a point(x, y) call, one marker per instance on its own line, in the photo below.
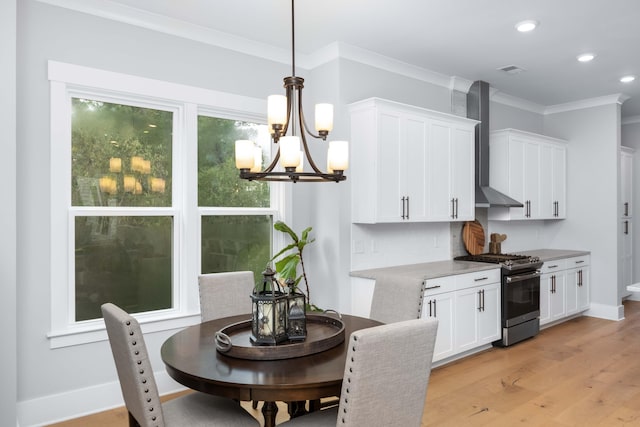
point(192, 360)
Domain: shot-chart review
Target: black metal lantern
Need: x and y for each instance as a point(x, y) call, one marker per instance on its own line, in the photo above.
point(269, 311)
point(296, 314)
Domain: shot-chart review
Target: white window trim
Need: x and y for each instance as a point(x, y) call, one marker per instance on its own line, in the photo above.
point(66, 79)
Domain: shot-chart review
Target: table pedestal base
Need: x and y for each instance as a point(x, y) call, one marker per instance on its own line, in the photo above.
point(269, 411)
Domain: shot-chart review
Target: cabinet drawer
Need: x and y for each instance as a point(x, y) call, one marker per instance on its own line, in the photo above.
point(439, 285)
point(478, 278)
point(553, 266)
point(579, 261)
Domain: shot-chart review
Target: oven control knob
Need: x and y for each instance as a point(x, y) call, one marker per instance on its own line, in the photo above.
point(534, 259)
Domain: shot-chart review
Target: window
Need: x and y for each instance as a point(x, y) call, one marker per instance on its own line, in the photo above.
point(145, 196)
point(121, 159)
point(233, 238)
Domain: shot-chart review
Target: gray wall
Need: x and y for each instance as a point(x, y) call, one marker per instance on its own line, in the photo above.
point(8, 353)
point(592, 196)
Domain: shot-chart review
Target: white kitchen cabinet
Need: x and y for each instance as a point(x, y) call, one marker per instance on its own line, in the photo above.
point(468, 308)
point(412, 164)
point(626, 215)
point(626, 181)
point(564, 288)
point(531, 169)
point(577, 277)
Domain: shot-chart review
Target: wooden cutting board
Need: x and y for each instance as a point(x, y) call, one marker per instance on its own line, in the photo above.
point(473, 237)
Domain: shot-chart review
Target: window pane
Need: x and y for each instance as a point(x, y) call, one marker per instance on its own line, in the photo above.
point(218, 179)
point(236, 243)
point(125, 260)
point(121, 155)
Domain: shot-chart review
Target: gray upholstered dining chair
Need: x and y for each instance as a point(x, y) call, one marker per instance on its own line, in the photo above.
point(386, 376)
point(396, 299)
point(225, 294)
point(141, 393)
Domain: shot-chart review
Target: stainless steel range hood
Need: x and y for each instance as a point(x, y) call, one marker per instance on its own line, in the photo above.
point(478, 109)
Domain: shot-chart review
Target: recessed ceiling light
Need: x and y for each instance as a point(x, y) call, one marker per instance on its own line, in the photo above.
point(627, 79)
point(526, 26)
point(586, 57)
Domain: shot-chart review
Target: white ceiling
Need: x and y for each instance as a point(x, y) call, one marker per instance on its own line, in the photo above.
point(464, 38)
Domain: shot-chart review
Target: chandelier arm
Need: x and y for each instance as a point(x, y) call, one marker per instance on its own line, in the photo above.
point(273, 163)
point(303, 120)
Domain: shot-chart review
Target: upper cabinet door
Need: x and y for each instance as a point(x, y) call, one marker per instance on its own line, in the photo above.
point(626, 182)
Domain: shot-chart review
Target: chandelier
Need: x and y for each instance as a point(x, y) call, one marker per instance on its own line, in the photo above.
point(284, 113)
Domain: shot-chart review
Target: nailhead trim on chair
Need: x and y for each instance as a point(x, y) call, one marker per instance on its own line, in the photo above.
point(141, 371)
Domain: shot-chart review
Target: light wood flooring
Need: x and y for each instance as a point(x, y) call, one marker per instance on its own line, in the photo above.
point(584, 372)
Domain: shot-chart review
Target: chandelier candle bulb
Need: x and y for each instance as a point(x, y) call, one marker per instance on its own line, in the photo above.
point(324, 117)
point(245, 158)
point(277, 110)
point(289, 151)
point(338, 155)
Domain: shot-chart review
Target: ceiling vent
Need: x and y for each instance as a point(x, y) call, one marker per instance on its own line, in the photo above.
point(511, 69)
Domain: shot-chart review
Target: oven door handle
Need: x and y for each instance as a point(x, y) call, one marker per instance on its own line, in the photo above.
point(521, 277)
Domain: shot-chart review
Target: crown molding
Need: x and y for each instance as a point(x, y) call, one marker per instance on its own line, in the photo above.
point(514, 101)
point(152, 21)
point(618, 98)
point(367, 57)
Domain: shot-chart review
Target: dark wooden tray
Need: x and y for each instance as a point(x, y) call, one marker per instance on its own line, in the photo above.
point(323, 332)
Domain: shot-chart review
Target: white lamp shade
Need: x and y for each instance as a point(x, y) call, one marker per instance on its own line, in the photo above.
point(276, 110)
point(289, 151)
point(244, 154)
point(300, 167)
point(257, 159)
point(324, 117)
point(338, 156)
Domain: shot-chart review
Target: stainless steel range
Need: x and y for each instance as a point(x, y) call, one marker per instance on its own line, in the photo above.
point(520, 294)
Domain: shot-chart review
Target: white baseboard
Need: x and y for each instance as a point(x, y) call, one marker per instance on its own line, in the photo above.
point(78, 403)
point(602, 311)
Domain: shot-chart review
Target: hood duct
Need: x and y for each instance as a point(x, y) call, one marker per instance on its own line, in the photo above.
point(478, 109)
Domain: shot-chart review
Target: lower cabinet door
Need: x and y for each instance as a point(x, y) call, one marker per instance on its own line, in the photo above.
point(468, 306)
point(441, 307)
point(477, 316)
point(489, 316)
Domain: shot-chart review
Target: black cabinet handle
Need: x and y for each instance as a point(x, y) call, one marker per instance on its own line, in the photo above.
point(453, 208)
point(626, 208)
point(403, 208)
point(407, 207)
point(626, 227)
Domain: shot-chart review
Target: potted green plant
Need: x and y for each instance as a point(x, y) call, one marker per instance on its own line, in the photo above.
point(287, 265)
